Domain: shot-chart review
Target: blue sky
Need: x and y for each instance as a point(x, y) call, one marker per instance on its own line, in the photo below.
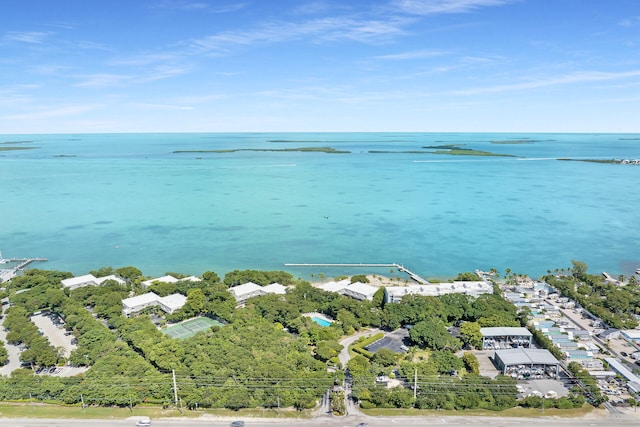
point(285, 65)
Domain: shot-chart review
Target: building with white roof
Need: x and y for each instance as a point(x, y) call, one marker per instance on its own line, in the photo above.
point(172, 302)
point(101, 280)
point(275, 288)
point(245, 291)
point(249, 290)
point(169, 279)
point(333, 286)
point(163, 279)
point(168, 304)
point(79, 281)
point(88, 280)
point(395, 293)
point(631, 335)
point(139, 303)
point(360, 291)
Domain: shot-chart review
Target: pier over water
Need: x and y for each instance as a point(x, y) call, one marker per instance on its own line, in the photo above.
point(399, 267)
point(10, 267)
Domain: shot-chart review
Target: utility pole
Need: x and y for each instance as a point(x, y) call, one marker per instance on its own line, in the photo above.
point(415, 383)
point(82, 400)
point(175, 387)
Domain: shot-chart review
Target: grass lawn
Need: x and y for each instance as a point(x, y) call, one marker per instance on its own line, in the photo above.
point(511, 413)
point(40, 410)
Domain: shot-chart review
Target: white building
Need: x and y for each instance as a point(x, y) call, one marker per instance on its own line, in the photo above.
point(168, 304)
point(79, 281)
point(89, 280)
point(249, 290)
point(139, 303)
point(395, 293)
point(168, 279)
point(172, 302)
point(275, 288)
point(360, 291)
point(333, 286)
point(101, 280)
point(245, 291)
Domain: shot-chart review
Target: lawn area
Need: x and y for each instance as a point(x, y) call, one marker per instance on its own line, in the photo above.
point(40, 410)
point(511, 413)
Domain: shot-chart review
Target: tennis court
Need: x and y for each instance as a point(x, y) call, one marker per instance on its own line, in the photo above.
point(190, 327)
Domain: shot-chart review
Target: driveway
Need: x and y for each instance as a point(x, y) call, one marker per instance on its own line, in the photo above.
point(344, 354)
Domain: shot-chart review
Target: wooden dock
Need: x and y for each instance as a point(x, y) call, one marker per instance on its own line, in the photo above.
point(9, 273)
point(397, 266)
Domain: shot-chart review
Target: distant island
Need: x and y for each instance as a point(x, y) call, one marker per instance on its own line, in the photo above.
point(329, 150)
point(458, 150)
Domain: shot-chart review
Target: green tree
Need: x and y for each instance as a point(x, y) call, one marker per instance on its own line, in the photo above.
point(471, 335)
point(579, 268)
point(384, 357)
point(434, 335)
point(471, 362)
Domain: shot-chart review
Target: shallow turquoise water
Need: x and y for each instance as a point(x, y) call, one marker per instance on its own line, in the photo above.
point(86, 201)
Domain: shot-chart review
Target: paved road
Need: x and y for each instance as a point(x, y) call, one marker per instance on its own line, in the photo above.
point(343, 421)
point(344, 354)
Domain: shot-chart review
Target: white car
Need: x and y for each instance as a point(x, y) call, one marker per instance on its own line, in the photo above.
point(144, 422)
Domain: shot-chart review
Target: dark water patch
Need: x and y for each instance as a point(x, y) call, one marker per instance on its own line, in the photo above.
point(17, 148)
point(103, 222)
point(301, 206)
point(74, 227)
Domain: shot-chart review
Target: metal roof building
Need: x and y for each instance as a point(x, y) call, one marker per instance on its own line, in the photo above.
point(531, 360)
point(505, 337)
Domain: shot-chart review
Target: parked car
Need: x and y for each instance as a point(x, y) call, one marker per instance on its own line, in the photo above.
point(144, 422)
point(624, 353)
point(237, 424)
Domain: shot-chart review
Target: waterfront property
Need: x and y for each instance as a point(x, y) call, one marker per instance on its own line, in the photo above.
point(360, 291)
point(89, 280)
point(395, 293)
point(168, 304)
point(249, 290)
point(168, 279)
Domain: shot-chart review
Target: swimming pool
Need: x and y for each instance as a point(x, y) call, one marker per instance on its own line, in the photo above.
point(321, 322)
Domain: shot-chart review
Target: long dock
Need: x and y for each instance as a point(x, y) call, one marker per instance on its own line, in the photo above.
point(400, 268)
point(10, 273)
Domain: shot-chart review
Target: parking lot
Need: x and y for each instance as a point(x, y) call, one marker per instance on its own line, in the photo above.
point(54, 333)
point(397, 341)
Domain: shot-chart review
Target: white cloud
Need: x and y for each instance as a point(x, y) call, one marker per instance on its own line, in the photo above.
point(147, 106)
point(414, 54)
point(630, 22)
point(103, 80)
point(197, 6)
point(327, 29)
point(432, 7)
point(574, 78)
point(31, 37)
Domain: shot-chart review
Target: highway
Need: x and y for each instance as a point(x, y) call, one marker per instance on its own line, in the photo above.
point(597, 421)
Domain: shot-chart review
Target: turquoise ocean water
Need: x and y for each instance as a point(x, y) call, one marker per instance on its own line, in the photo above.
point(86, 201)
